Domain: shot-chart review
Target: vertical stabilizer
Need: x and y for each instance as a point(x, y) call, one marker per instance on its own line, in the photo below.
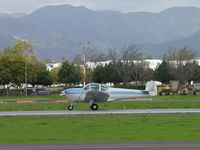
point(151, 86)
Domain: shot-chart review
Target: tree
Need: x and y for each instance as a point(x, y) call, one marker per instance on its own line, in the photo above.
point(142, 72)
point(44, 78)
point(98, 74)
point(130, 53)
point(105, 74)
point(18, 59)
point(196, 74)
point(162, 73)
point(54, 74)
point(20, 48)
point(100, 57)
point(182, 62)
point(78, 60)
point(125, 62)
point(130, 56)
point(112, 75)
point(113, 55)
point(5, 76)
point(69, 73)
point(180, 55)
point(11, 71)
point(14, 68)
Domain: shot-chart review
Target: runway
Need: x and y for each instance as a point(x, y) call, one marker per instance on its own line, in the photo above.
point(103, 112)
point(106, 146)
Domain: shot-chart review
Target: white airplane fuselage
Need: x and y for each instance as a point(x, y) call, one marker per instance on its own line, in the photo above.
point(114, 94)
point(94, 93)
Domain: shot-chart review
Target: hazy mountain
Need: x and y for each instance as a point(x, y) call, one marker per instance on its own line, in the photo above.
point(57, 31)
point(47, 43)
point(159, 49)
point(118, 28)
point(13, 15)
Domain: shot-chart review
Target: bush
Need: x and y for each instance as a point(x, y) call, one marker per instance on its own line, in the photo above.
point(3, 92)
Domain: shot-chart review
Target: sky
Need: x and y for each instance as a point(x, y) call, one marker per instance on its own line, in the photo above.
point(28, 6)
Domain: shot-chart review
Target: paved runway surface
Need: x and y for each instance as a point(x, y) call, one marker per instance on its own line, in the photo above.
point(105, 112)
point(106, 146)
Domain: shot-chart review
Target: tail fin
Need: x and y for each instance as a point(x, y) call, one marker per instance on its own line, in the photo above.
point(151, 86)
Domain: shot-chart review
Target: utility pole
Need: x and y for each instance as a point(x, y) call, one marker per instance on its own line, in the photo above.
point(29, 50)
point(26, 76)
point(85, 52)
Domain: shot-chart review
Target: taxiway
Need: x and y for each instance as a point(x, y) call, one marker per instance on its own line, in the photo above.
point(103, 112)
point(106, 146)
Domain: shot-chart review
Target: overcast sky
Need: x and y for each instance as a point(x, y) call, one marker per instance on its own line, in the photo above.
point(28, 6)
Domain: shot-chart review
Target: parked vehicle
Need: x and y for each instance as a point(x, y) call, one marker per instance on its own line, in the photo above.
point(174, 87)
point(38, 93)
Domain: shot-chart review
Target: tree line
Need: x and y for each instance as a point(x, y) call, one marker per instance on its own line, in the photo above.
point(13, 63)
point(126, 65)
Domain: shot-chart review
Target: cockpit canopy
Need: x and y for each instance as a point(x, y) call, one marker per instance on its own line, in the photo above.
point(95, 87)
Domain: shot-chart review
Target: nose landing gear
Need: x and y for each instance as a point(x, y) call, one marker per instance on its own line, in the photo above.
point(70, 107)
point(94, 107)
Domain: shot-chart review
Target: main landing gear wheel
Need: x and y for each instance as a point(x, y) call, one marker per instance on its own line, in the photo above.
point(94, 106)
point(70, 107)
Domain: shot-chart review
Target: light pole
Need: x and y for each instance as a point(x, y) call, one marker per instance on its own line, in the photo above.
point(26, 76)
point(85, 52)
point(29, 50)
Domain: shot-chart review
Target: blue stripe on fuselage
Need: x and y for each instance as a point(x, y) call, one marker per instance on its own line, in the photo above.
point(75, 90)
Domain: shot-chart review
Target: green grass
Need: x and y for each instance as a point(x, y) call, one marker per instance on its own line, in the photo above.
point(24, 98)
point(176, 97)
point(99, 128)
point(102, 106)
point(58, 97)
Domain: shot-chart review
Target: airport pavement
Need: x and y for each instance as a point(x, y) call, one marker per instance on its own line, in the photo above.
point(103, 112)
point(106, 146)
point(69, 101)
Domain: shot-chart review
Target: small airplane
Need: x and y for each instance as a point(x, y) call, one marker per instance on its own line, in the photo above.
point(94, 92)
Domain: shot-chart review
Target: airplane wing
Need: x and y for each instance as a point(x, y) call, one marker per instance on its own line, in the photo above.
point(96, 96)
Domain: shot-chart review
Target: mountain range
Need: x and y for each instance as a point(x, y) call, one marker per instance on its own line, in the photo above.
point(57, 31)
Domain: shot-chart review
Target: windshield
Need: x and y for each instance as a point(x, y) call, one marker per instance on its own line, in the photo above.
point(103, 88)
point(95, 87)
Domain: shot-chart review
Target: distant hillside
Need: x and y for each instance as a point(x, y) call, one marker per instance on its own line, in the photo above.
point(57, 31)
point(118, 28)
point(14, 15)
point(159, 49)
point(47, 43)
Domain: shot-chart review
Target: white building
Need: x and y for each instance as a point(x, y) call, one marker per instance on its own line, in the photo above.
point(52, 66)
point(152, 63)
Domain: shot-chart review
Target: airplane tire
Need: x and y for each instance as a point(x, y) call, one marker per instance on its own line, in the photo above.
point(94, 107)
point(70, 107)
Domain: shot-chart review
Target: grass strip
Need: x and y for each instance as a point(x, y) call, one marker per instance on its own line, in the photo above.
point(28, 98)
point(99, 128)
point(176, 97)
point(102, 106)
point(58, 97)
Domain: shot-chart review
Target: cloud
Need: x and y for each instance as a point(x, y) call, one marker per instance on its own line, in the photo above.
point(140, 5)
point(119, 5)
point(11, 6)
